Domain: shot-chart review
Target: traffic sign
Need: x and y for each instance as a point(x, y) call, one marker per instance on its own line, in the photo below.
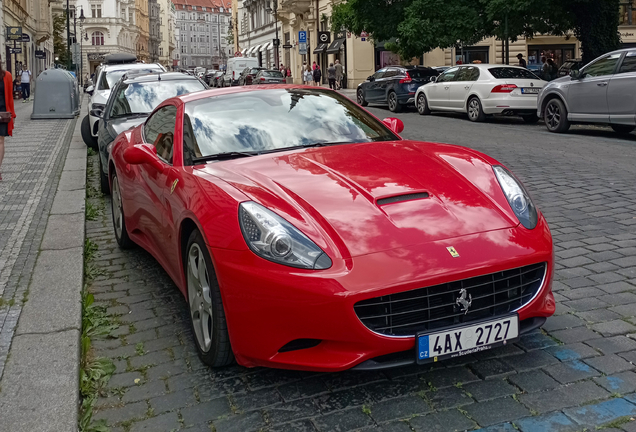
point(16, 50)
point(75, 49)
point(324, 37)
point(288, 46)
point(302, 48)
point(302, 36)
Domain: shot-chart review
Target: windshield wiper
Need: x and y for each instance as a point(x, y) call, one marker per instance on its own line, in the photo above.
point(298, 147)
point(223, 156)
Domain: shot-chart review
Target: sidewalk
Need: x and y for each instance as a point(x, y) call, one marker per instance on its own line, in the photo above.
point(41, 270)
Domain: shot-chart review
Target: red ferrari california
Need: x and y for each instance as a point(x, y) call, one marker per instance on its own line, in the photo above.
point(304, 233)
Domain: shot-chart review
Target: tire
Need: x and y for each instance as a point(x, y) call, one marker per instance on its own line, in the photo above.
point(103, 178)
point(119, 221)
point(622, 129)
point(555, 116)
point(88, 138)
point(361, 100)
point(474, 110)
point(394, 105)
point(530, 119)
point(207, 316)
point(422, 104)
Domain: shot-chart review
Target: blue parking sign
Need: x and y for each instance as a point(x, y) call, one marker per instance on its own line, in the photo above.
point(302, 37)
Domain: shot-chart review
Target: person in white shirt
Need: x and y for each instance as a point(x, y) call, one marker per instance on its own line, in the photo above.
point(25, 83)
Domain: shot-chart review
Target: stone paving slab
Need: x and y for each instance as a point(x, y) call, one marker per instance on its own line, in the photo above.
point(576, 373)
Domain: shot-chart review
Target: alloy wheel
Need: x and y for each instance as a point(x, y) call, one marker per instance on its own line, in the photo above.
point(118, 214)
point(473, 109)
point(392, 101)
point(199, 297)
point(553, 115)
point(360, 97)
point(421, 104)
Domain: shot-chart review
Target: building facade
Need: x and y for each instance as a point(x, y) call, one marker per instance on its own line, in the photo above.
point(143, 27)
point(167, 37)
point(203, 29)
point(154, 30)
point(257, 28)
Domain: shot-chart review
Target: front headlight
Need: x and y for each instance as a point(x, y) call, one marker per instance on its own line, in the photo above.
point(273, 238)
point(517, 197)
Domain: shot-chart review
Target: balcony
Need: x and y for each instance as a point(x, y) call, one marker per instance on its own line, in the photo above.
point(298, 7)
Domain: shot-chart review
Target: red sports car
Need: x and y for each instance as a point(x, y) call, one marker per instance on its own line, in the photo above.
point(306, 234)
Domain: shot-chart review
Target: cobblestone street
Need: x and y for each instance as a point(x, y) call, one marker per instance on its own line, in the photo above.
point(578, 372)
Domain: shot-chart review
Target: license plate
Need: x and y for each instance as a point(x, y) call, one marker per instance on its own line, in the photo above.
point(468, 339)
point(530, 90)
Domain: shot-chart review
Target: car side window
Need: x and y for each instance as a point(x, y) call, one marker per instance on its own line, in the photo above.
point(379, 74)
point(601, 67)
point(473, 74)
point(391, 73)
point(449, 75)
point(629, 63)
point(462, 74)
point(159, 131)
point(103, 83)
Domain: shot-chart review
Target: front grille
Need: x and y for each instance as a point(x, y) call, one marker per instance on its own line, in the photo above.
point(422, 309)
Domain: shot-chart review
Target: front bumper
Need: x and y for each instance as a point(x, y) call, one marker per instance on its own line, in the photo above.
point(268, 305)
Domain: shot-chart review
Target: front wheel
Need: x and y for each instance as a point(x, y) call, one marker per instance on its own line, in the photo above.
point(422, 105)
point(207, 316)
point(556, 116)
point(530, 118)
point(394, 105)
point(475, 110)
point(87, 136)
point(623, 129)
point(361, 100)
point(119, 221)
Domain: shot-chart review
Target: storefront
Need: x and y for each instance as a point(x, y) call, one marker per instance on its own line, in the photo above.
point(558, 53)
point(472, 54)
point(384, 57)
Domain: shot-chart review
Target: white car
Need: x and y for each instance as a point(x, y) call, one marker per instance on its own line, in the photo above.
point(106, 76)
point(482, 89)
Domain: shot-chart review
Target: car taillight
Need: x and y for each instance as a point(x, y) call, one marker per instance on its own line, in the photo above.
point(406, 80)
point(262, 79)
point(233, 72)
point(504, 88)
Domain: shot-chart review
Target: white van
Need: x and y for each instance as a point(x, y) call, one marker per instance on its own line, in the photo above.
point(235, 66)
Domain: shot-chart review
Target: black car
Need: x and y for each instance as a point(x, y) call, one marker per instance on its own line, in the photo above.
point(248, 75)
point(132, 99)
point(569, 65)
point(394, 86)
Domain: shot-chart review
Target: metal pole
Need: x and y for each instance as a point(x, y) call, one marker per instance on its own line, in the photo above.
point(277, 41)
point(507, 41)
point(68, 36)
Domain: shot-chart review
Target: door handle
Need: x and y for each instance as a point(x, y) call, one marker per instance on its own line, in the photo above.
point(601, 84)
point(446, 87)
point(467, 87)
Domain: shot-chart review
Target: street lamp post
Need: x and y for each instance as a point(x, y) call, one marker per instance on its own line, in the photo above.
point(276, 41)
point(68, 36)
point(81, 72)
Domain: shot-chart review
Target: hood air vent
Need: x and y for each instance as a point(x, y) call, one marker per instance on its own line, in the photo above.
point(400, 198)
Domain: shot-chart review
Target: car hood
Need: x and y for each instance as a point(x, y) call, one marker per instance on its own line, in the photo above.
point(339, 193)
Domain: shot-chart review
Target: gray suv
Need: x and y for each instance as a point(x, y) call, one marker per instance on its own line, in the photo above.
point(602, 92)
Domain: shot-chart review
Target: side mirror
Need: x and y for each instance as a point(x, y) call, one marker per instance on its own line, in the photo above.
point(143, 154)
point(371, 78)
point(433, 79)
point(90, 89)
point(95, 112)
point(394, 124)
point(575, 74)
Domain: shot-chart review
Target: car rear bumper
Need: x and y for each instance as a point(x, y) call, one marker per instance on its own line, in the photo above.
point(268, 306)
point(510, 104)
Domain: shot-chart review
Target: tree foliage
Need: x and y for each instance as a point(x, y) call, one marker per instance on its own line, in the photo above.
point(420, 26)
point(59, 38)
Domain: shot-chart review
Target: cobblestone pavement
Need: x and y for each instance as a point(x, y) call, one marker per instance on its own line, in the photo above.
point(32, 164)
point(578, 372)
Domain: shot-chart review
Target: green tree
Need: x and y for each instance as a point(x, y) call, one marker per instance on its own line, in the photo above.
point(422, 25)
point(59, 38)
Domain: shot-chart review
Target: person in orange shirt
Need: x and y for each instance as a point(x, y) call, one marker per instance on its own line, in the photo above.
point(6, 105)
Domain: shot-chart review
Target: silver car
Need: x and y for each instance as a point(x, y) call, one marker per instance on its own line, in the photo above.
point(602, 92)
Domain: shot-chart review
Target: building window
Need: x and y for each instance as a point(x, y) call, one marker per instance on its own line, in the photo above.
point(97, 38)
point(130, 15)
point(96, 10)
point(161, 51)
point(627, 13)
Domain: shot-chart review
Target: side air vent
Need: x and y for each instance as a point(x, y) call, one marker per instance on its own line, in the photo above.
point(298, 344)
point(400, 198)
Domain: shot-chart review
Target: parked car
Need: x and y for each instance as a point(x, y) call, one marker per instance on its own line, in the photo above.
point(483, 89)
point(235, 66)
point(209, 74)
point(248, 74)
point(311, 236)
point(569, 65)
point(394, 86)
point(215, 81)
point(106, 76)
point(268, 77)
point(441, 69)
point(602, 92)
point(132, 100)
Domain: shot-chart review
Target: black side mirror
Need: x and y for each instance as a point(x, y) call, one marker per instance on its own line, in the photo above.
point(371, 78)
point(575, 74)
point(97, 113)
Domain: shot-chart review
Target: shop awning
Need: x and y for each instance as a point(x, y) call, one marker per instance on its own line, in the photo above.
point(243, 51)
point(320, 48)
point(253, 50)
point(268, 46)
point(335, 46)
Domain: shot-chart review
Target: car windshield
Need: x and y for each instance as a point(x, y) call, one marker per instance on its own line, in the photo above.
point(512, 73)
point(254, 71)
point(144, 97)
point(270, 120)
point(272, 74)
point(110, 78)
point(422, 73)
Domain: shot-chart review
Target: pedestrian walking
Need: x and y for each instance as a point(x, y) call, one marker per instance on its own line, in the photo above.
point(331, 76)
point(313, 66)
point(7, 111)
point(339, 75)
point(308, 76)
point(553, 70)
point(25, 83)
point(522, 61)
point(317, 75)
